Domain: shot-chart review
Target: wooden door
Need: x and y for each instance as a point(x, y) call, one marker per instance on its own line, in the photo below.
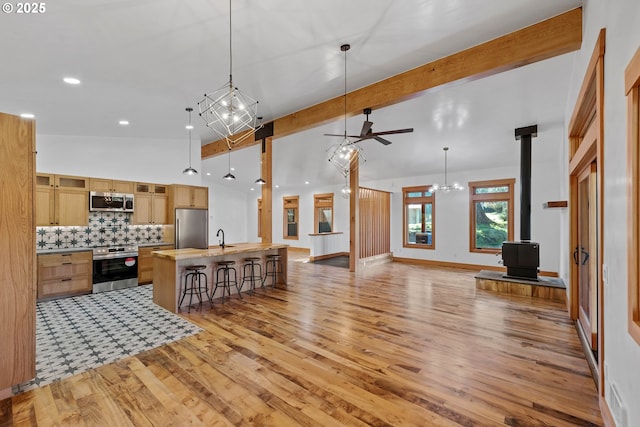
point(159, 209)
point(200, 197)
point(72, 207)
point(122, 186)
point(143, 208)
point(18, 249)
point(45, 207)
point(585, 255)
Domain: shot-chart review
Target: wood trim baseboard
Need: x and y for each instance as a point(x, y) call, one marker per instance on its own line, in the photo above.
point(605, 412)
point(327, 256)
point(464, 266)
point(299, 249)
point(5, 393)
point(376, 259)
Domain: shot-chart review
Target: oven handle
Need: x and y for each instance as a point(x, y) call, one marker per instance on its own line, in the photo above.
point(115, 255)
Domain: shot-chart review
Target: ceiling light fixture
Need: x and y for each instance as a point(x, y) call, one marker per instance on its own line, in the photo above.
point(260, 181)
point(446, 188)
point(123, 122)
point(228, 112)
point(340, 154)
point(229, 176)
point(189, 170)
point(71, 81)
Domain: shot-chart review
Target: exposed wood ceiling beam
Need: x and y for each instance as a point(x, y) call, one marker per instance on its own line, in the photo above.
point(552, 37)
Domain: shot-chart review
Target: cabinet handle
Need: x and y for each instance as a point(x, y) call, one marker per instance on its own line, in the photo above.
point(66, 254)
point(67, 263)
point(66, 280)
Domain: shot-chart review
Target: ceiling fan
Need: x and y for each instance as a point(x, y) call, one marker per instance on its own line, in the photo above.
point(367, 133)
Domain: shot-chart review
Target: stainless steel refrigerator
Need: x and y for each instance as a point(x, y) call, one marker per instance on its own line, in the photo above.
point(192, 229)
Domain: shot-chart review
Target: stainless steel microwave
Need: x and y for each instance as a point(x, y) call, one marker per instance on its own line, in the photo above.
point(110, 202)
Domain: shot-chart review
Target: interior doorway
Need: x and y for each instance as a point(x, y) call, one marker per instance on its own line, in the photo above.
point(585, 256)
point(586, 212)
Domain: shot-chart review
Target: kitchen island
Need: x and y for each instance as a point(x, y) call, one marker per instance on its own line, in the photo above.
point(169, 268)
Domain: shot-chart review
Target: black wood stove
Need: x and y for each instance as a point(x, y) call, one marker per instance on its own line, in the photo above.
point(522, 258)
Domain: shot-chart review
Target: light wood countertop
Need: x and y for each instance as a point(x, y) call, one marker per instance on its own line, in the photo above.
point(216, 251)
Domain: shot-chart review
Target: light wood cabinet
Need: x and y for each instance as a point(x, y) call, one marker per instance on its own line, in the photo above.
point(18, 249)
point(150, 204)
point(64, 274)
point(188, 196)
point(111, 185)
point(145, 262)
point(61, 200)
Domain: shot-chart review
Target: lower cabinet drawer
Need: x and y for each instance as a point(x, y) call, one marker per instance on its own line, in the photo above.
point(67, 286)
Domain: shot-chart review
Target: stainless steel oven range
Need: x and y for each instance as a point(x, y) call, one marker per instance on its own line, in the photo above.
point(114, 267)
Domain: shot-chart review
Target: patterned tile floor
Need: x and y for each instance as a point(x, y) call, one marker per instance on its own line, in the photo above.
point(79, 333)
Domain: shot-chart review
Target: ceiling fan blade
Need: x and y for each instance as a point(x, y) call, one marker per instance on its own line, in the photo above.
point(382, 140)
point(392, 132)
point(366, 128)
point(342, 135)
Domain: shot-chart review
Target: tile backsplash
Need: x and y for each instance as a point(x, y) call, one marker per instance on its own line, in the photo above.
point(105, 228)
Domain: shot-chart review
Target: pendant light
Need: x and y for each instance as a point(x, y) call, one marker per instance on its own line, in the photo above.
point(340, 155)
point(229, 176)
point(189, 170)
point(446, 188)
point(231, 114)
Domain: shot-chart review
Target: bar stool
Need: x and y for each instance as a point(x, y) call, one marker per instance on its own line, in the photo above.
point(226, 267)
point(249, 273)
point(194, 272)
point(275, 262)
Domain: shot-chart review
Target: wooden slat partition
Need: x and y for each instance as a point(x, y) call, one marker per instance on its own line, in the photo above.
point(375, 222)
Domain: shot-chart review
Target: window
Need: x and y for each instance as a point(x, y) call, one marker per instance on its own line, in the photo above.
point(632, 88)
point(290, 210)
point(323, 212)
point(419, 217)
point(491, 214)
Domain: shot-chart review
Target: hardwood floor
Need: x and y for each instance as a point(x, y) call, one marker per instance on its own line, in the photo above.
point(397, 345)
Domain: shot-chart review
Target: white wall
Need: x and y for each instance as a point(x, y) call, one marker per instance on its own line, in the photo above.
point(130, 159)
point(305, 209)
point(228, 210)
point(452, 210)
point(622, 353)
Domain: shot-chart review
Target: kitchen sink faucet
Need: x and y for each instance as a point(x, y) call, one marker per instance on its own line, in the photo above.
point(218, 236)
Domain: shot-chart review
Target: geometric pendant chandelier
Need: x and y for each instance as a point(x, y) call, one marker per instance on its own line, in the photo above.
point(231, 114)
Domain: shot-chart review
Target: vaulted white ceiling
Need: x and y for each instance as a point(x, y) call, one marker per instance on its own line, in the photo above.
point(146, 60)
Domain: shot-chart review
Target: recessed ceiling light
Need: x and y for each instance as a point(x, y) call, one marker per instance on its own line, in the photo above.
point(252, 189)
point(233, 169)
point(277, 186)
point(189, 127)
point(27, 116)
point(71, 80)
point(306, 182)
point(208, 173)
point(123, 122)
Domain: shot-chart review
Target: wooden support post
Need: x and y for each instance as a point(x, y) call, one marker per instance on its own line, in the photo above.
point(266, 163)
point(354, 221)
